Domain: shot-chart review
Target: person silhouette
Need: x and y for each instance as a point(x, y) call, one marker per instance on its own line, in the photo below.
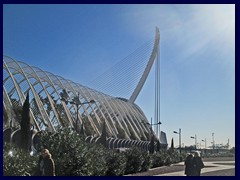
point(188, 165)
point(197, 164)
point(46, 166)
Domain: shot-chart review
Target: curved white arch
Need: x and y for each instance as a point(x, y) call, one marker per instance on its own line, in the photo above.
point(148, 68)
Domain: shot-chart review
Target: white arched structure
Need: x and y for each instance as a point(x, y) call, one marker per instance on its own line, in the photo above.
point(147, 69)
point(49, 111)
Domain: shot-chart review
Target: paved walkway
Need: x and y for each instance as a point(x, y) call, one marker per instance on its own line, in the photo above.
point(209, 167)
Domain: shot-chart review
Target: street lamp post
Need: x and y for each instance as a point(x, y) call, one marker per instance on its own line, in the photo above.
point(195, 141)
point(213, 140)
point(152, 136)
point(179, 133)
point(205, 143)
point(76, 102)
point(159, 123)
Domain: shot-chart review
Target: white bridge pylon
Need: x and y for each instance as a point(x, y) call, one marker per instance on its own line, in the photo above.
point(147, 69)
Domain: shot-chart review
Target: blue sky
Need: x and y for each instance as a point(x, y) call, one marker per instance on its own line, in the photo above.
point(197, 56)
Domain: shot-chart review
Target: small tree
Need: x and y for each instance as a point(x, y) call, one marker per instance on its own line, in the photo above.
point(103, 138)
point(25, 125)
point(172, 145)
point(82, 131)
point(158, 145)
point(151, 148)
point(232, 150)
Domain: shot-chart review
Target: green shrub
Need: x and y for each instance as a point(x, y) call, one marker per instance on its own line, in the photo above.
point(168, 160)
point(96, 164)
point(67, 149)
point(73, 156)
point(116, 163)
point(17, 162)
point(147, 161)
point(157, 159)
point(134, 160)
point(173, 156)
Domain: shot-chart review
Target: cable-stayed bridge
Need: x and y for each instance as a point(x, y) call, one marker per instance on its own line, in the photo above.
point(114, 94)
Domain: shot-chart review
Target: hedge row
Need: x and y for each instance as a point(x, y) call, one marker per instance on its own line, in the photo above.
point(74, 157)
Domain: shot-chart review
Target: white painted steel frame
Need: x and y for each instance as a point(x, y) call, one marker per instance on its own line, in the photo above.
point(41, 84)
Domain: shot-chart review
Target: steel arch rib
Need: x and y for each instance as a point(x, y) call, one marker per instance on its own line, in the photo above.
point(61, 86)
point(148, 68)
point(35, 94)
point(74, 91)
point(129, 116)
point(52, 85)
point(107, 100)
point(18, 90)
point(46, 92)
point(85, 109)
point(96, 115)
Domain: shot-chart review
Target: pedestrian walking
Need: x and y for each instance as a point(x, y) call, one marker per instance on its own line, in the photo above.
point(46, 166)
point(188, 165)
point(197, 164)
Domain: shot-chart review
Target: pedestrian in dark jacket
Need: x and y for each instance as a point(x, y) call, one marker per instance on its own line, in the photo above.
point(46, 166)
point(197, 164)
point(188, 165)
